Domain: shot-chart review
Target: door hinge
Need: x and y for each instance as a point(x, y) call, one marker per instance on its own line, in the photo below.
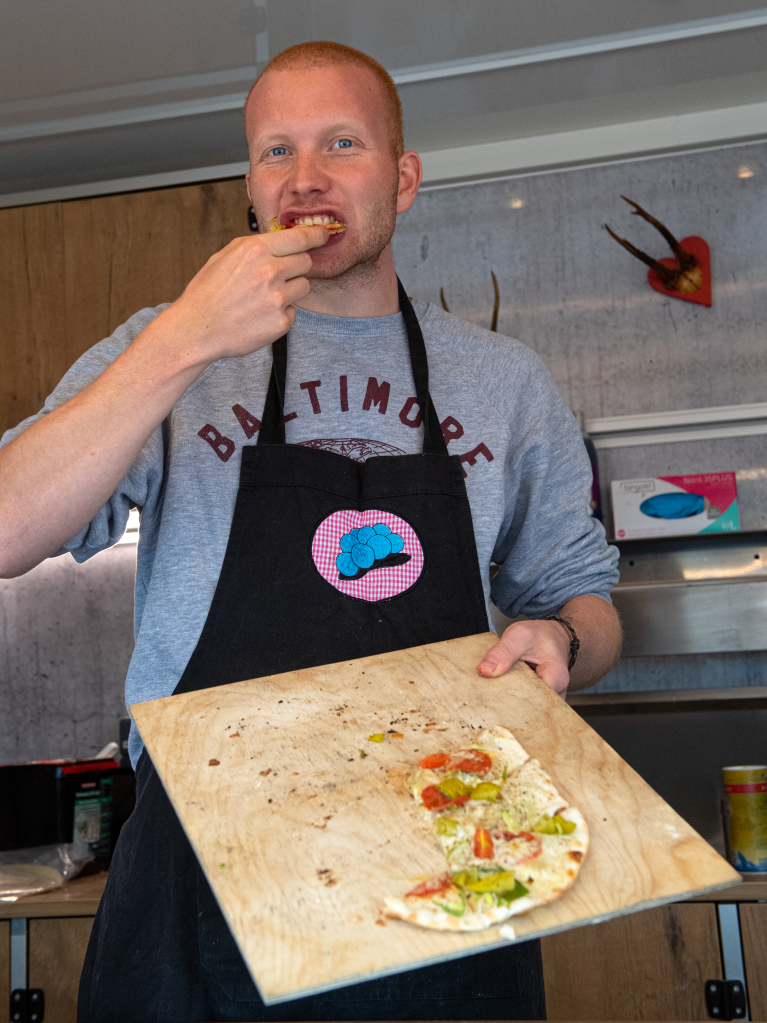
point(726, 999)
point(28, 1005)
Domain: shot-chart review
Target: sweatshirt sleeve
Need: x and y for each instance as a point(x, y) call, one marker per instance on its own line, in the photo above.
point(142, 484)
point(549, 548)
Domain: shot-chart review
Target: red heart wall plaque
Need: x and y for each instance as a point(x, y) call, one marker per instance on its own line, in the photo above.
point(698, 247)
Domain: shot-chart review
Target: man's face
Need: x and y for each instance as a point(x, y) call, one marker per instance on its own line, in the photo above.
point(319, 145)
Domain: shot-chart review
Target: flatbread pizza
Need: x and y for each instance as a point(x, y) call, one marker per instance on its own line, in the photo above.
point(510, 840)
point(328, 221)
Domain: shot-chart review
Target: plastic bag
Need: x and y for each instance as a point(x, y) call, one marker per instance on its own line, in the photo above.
point(30, 871)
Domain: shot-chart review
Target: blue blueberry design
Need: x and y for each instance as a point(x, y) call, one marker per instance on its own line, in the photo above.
point(368, 548)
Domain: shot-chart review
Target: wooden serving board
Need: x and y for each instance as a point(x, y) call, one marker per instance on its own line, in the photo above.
point(301, 837)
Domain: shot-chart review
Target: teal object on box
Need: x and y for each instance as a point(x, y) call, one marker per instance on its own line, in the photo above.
point(672, 506)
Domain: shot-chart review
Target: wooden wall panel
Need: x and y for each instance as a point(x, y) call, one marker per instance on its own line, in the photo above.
point(32, 350)
point(124, 252)
point(648, 966)
point(71, 272)
point(753, 929)
point(56, 955)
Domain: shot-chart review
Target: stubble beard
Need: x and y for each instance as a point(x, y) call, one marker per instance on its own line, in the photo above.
point(358, 263)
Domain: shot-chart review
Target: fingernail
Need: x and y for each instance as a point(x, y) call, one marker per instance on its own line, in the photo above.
point(489, 663)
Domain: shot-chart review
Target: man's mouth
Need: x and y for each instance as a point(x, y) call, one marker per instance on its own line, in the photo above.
point(326, 220)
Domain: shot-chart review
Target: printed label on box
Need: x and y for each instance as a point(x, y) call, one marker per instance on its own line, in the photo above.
point(675, 505)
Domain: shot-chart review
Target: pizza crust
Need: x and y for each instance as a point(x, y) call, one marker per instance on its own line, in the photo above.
point(438, 920)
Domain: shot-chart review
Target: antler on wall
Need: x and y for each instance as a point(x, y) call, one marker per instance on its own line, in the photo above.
point(496, 303)
point(686, 277)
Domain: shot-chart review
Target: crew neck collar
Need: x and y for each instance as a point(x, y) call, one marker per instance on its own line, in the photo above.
point(369, 326)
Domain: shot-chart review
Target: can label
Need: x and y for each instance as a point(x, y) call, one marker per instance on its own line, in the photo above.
point(746, 789)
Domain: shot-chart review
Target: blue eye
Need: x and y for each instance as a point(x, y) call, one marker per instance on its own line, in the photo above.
point(343, 144)
point(278, 151)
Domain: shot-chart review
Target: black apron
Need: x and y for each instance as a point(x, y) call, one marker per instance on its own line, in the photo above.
point(328, 559)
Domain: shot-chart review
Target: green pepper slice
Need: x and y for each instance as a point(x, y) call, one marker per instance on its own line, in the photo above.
point(486, 790)
point(453, 788)
point(454, 910)
point(556, 825)
point(446, 826)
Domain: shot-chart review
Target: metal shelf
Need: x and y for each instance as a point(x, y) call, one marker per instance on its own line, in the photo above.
point(671, 699)
point(686, 594)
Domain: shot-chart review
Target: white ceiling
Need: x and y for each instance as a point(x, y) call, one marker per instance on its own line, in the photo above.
point(93, 90)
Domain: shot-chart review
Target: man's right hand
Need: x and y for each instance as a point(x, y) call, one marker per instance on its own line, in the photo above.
point(56, 475)
point(243, 298)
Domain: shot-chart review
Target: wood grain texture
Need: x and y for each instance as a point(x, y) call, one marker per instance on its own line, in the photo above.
point(32, 339)
point(56, 954)
point(124, 252)
point(753, 934)
point(648, 966)
point(5, 965)
point(80, 897)
point(302, 838)
point(71, 272)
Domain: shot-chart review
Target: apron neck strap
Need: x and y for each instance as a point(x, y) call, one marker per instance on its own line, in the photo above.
point(273, 424)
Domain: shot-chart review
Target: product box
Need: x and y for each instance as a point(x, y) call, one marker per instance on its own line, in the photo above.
point(675, 505)
point(61, 801)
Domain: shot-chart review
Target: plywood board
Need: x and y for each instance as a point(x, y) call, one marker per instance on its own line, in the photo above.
point(302, 838)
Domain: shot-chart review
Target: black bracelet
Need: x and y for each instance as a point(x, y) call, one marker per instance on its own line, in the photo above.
point(575, 643)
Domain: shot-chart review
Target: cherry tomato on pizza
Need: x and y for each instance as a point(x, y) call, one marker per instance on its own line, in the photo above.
point(434, 886)
point(483, 844)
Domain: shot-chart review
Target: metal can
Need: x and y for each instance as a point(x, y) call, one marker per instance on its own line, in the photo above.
point(746, 789)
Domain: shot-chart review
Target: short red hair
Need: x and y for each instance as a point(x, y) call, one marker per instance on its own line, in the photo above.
point(322, 53)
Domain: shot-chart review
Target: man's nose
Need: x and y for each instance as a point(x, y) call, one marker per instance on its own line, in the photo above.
point(309, 177)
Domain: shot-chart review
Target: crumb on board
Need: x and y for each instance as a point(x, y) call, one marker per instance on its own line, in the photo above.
point(213, 762)
point(264, 773)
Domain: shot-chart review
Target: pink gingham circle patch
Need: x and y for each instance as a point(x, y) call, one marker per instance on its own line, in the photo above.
point(371, 555)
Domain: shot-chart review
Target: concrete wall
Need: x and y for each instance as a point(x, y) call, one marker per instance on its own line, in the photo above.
point(582, 302)
point(66, 637)
point(571, 293)
point(614, 346)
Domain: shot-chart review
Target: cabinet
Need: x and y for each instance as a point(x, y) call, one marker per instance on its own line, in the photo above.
point(653, 965)
point(54, 929)
point(647, 966)
point(753, 929)
point(70, 272)
point(56, 954)
point(5, 965)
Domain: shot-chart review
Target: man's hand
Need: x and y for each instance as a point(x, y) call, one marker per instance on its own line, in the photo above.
point(243, 298)
point(545, 646)
point(57, 474)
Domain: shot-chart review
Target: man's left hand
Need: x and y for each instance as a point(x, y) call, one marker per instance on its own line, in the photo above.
point(545, 646)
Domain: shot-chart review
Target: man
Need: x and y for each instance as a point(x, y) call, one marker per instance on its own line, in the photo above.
point(185, 412)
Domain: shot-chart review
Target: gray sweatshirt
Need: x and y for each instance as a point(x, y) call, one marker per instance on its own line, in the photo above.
point(349, 389)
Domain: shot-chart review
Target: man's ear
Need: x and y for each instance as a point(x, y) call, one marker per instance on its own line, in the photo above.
point(410, 177)
point(247, 186)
